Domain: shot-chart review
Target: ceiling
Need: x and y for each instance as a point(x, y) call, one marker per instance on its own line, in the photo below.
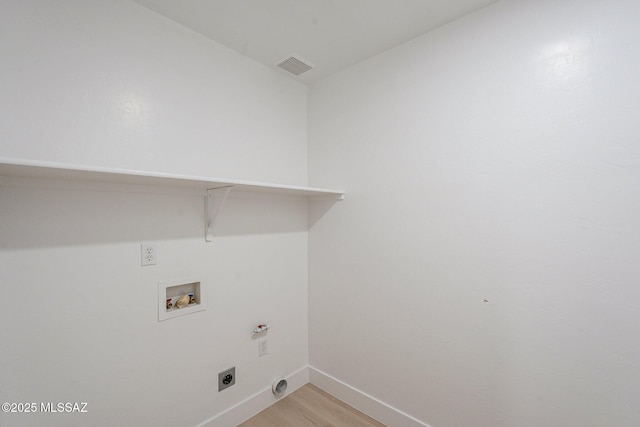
point(330, 35)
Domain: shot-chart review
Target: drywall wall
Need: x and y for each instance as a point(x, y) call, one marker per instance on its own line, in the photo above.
point(112, 84)
point(80, 315)
point(484, 271)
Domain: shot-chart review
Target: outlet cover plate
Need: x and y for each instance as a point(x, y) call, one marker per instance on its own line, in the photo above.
point(226, 378)
point(148, 254)
point(262, 347)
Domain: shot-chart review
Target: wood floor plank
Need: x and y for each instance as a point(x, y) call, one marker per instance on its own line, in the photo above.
point(311, 407)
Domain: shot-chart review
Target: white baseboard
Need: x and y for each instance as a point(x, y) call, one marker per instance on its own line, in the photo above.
point(369, 405)
point(260, 401)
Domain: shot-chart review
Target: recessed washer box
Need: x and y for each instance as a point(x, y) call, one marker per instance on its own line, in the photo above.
point(170, 291)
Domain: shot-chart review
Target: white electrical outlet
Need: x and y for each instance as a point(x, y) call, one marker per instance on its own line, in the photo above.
point(149, 254)
point(262, 347)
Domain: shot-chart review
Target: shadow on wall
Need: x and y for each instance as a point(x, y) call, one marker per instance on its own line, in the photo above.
point(317, 209)
point(39, 217)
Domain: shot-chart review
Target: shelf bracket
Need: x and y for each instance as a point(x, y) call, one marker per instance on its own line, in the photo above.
point(214, 202)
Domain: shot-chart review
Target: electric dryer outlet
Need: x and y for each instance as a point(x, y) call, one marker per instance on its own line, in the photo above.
point(226, 378)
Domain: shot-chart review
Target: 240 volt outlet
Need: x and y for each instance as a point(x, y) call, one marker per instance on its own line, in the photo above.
point(226, 378)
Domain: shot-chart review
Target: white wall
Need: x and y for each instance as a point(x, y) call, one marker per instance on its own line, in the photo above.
point(102, 84)
point(483, 270)
point(113, 84)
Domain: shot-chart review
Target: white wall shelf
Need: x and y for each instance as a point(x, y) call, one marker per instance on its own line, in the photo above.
point(49, 170)
point(215, 189)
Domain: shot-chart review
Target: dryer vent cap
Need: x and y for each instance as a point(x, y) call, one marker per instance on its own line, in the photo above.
point(294, 65)
point(279, 386)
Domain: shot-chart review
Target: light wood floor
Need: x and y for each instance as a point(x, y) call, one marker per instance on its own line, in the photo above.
point(310, 407)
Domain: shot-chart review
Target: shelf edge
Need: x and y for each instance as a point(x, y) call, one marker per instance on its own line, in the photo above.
point(42, 169)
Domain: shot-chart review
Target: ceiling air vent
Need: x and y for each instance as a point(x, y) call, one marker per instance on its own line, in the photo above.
point(294, 65)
